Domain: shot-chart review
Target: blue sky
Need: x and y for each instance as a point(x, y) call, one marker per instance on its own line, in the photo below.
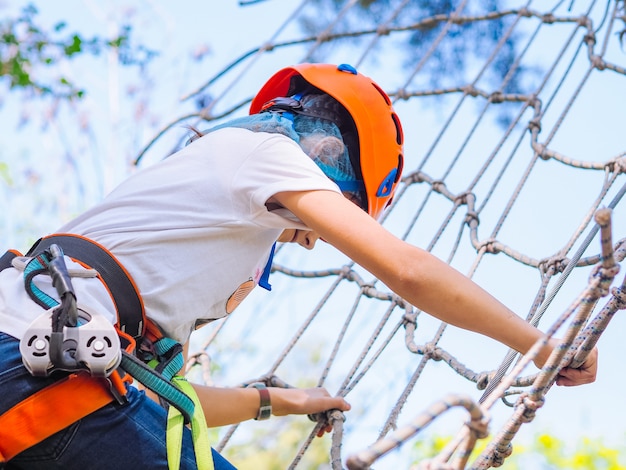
point(119, 127)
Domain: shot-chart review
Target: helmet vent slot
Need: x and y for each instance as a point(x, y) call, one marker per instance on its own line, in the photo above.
point(400, 167)
point(382, 93)
point(399, 133)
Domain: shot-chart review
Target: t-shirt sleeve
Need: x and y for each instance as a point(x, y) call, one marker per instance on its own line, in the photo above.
point(276, 165)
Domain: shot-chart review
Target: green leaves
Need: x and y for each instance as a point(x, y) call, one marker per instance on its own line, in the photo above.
point(74, 47)
point(550, 451)
point(29, 54)
point(5, 176)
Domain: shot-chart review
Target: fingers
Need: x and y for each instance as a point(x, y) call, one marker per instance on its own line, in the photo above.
point(310, 401)
point(305, 401)
point(324, 429)
point(320, 400)
point(586, 374)
point(340, 404)
point(569, 377)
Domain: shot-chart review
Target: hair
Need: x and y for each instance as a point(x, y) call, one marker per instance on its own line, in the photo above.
point(196, 134)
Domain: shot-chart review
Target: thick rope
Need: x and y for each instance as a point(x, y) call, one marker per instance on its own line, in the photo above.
point(448, 215)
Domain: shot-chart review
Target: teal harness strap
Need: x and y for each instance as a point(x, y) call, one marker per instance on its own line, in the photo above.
point(38, 265)
point(170, 357)
point(158, 384)
point(128, 305)
point(167, 361)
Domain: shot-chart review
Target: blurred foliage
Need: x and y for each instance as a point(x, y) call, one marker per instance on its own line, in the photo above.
point(466, 43)
point(585, 454)
point(546, 452)
point(455, 61)
point(27, 48)
point(270, 448)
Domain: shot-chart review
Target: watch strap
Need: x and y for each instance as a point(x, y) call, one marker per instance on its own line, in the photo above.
point(265, 406)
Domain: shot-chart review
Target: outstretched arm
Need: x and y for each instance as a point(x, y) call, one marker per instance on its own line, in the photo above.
point(223, 406)
point(416, 275)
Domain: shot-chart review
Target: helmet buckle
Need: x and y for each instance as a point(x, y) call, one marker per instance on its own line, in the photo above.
point(282, 104)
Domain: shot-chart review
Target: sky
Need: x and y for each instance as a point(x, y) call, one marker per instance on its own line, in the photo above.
point(124, 109)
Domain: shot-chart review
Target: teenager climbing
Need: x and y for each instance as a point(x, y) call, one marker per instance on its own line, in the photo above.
point(182, 243)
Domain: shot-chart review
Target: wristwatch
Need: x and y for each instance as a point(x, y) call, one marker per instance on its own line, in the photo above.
point(265, 407)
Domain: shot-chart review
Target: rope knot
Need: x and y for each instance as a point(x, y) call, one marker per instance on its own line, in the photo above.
point(620, 297)
point(471, 216)
point(496, 97)
point(590, 39)
point(598, 63)
point(410, 318)
point(530, 407)
point(535, 124)
point(324, 36)
point(552, 265)
point(327, 417)
point(479, 428)
point(602, 273)
point(471, 90)
point(618, 165)
point(402, 94)
point(483, 380)
point(489, 246)
point(433, 352)
point(438, 186)
point(501, 453)
point(383, 30)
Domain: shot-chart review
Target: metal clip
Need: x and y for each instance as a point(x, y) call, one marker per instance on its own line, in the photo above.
point(92, 345)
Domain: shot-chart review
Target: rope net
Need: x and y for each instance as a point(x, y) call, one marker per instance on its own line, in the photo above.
point(514, 175)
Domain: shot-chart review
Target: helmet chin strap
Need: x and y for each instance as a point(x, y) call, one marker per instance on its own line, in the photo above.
point(297, 104)
point(284, 105)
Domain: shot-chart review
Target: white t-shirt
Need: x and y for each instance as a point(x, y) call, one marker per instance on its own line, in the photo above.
point(193, 230)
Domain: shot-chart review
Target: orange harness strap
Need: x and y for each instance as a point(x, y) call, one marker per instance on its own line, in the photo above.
point(68, 400)
point(50, 410)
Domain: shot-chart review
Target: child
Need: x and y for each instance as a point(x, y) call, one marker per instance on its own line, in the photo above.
point(319, 157)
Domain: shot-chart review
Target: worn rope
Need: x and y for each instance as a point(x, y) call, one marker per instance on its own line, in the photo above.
point(451, 215)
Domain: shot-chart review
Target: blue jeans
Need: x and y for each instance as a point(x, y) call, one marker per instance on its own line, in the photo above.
point(116, 436)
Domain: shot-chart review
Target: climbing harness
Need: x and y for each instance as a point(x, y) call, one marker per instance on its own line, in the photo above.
point(66, 337)
point(99, 358)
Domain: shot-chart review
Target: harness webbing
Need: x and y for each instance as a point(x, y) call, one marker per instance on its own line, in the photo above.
point(118, 281)
point(30, 420)
point(199, 431)
point(159, 385)
point(5, 259)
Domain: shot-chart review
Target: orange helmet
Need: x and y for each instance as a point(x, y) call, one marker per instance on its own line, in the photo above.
point(374, 136)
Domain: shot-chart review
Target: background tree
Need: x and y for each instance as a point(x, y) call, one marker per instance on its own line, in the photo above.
point(31, 55)
point(48, 95)
point(468, 42)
